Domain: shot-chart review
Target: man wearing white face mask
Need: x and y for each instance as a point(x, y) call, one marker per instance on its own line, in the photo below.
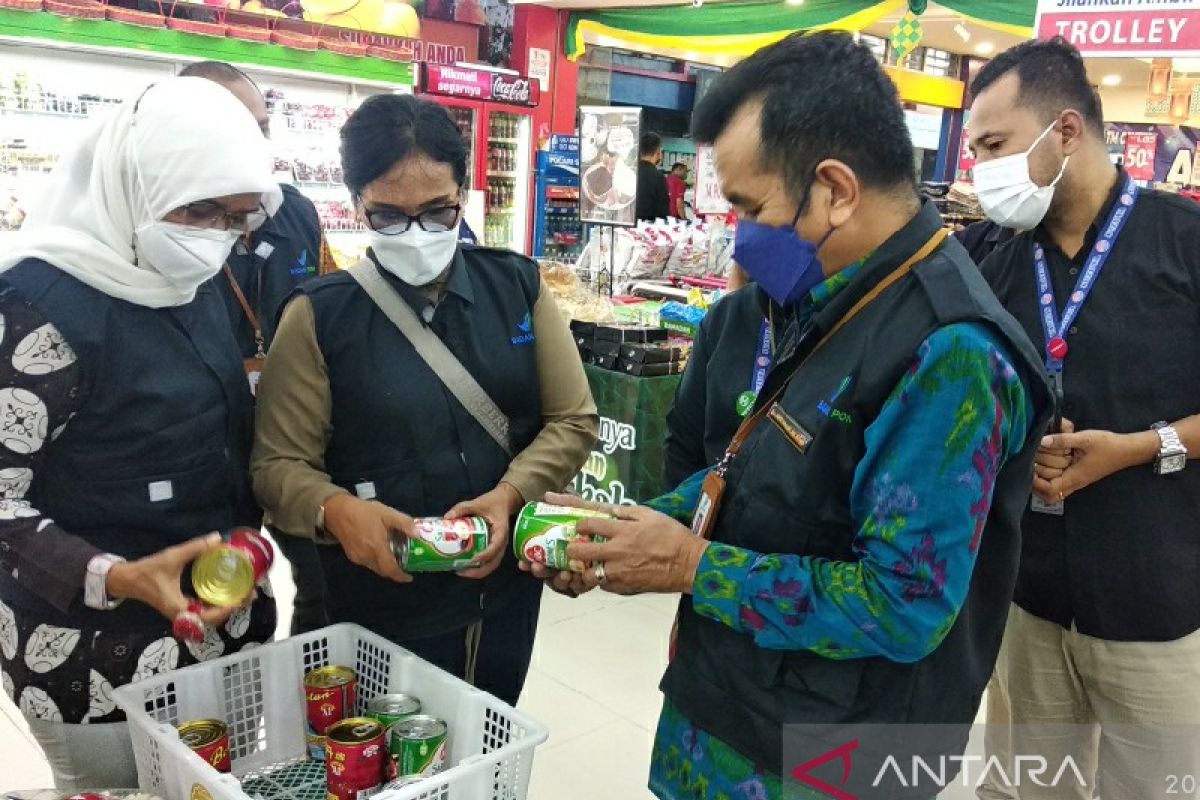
point(1101, 660)
point(124, 416)
point(358, 432)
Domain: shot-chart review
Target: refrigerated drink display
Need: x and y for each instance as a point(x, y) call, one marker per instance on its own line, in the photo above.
point(464, 118)
point(507, 180)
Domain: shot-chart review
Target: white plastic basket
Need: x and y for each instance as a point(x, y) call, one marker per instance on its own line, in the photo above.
point(259, 694)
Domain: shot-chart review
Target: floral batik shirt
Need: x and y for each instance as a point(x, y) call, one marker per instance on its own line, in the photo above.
point(920, 499)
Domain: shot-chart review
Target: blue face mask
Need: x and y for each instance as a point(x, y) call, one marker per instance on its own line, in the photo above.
point(779, 260)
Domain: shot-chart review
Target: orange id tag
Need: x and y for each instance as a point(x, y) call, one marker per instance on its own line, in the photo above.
point(706, 509)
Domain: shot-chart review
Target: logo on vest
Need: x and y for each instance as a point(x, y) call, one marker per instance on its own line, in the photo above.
point(302, 266)
point(524, 332)
point(842, 753)
point(836, 414)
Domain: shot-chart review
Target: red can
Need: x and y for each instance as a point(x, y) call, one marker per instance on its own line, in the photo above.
point(256, 548)
point(330, 694)
point(357, 761)
point(209, 739)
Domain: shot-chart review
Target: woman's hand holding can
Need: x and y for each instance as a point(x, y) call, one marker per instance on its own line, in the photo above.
point(365, 528)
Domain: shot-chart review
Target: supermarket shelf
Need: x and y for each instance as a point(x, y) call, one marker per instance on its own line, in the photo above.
point(32, 112)
point(495, 174)
point(494, 212)
point(497, 140)
point(343, 231)
point(318, 185)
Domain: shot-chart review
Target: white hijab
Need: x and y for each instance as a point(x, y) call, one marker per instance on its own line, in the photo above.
point(189, 139)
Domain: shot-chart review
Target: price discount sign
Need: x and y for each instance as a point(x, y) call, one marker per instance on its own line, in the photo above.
point(1140, 149)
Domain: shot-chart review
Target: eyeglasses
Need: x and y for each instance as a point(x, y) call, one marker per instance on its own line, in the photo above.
point(392, 221)
point(210, 214)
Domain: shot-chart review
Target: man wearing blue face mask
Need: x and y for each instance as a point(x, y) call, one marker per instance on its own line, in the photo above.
point(858, 540)
point(1102, 649)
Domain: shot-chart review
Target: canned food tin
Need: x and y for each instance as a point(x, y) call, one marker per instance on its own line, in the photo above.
point(226, 575)
point(356, 759)
point(329, 694)
point(209, 739)
point(543, 532)
point(419, 745)
point(443, 545)
point(391, 708)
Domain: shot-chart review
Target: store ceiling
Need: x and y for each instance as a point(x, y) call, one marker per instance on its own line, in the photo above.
point(943, 29)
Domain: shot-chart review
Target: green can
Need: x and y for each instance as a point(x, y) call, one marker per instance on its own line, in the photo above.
point(391, 708)
point(442, 545)
point(419, 745)
point(543, 532)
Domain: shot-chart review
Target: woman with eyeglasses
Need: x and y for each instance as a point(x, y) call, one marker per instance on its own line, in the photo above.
point(356, 434)
point(125, 416)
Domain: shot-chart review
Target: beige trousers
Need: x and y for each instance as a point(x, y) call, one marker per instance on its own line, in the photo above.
point(1126, 713)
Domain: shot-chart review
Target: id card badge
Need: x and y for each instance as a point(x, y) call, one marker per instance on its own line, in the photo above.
point(710, 499)
point(253, 368)
point(1040, 506)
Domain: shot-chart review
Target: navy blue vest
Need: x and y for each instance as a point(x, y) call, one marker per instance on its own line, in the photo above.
point(780, 500)
point(401, 438)
point(281, 255)
point(165, 403)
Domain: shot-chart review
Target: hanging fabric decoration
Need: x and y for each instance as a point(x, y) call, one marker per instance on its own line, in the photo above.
point(907, 33)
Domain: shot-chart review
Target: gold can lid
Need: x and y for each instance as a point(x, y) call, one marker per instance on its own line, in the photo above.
point(354, 730)
point(201, 732)
point(223, 577)
point(329, 677)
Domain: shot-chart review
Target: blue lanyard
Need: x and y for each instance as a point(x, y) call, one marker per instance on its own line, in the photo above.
point(763, 358)
point(1055, 329)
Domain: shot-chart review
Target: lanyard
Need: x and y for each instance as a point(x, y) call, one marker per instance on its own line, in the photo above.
point(763, 359)
point(1055, 330)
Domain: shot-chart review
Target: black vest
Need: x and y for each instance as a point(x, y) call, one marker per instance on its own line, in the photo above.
point(401, 438)
point(280, 256)
point(780, 500)
point(720, 368)
point(166, 414)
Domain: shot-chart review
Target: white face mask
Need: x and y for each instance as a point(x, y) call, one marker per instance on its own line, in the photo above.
point(184, 255)
point(416, 256)
point(1009, 196)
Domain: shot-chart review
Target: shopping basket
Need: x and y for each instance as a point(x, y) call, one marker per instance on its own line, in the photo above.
point(259, 694)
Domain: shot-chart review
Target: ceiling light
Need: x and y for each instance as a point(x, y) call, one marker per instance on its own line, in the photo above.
point(962, 32)
point(1111, 80)
point(985, 48)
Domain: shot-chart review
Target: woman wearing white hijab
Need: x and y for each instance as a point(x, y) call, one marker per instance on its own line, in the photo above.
point(124, 415)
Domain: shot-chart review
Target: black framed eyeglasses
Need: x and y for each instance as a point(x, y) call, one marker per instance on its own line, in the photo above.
point(210, 214)
point(393, 221)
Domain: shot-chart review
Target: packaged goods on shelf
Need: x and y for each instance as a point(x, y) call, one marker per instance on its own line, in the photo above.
point(659, 250)
point(574, 300)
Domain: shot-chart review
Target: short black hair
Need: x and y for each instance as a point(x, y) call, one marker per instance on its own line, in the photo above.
point(1052, 78)
point(823, 95)
point(387, 128)
point(651, 143)
point(679, 164)
point(217, 71)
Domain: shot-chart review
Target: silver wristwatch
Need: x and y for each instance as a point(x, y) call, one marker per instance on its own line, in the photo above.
point(1172, 455)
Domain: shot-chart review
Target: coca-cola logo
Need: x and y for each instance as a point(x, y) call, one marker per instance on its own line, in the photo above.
point(511, 90)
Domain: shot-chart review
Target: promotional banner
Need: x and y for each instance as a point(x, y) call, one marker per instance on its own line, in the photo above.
point(479, 84)
point(608, 155)
point(626, 466)
point(709, 199)
point(1146, 28)
point(562, 161)
point(1139, 155)
point(1174, 160)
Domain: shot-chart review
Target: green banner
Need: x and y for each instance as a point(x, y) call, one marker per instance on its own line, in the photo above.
point(43, 26)
point(626, 466)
